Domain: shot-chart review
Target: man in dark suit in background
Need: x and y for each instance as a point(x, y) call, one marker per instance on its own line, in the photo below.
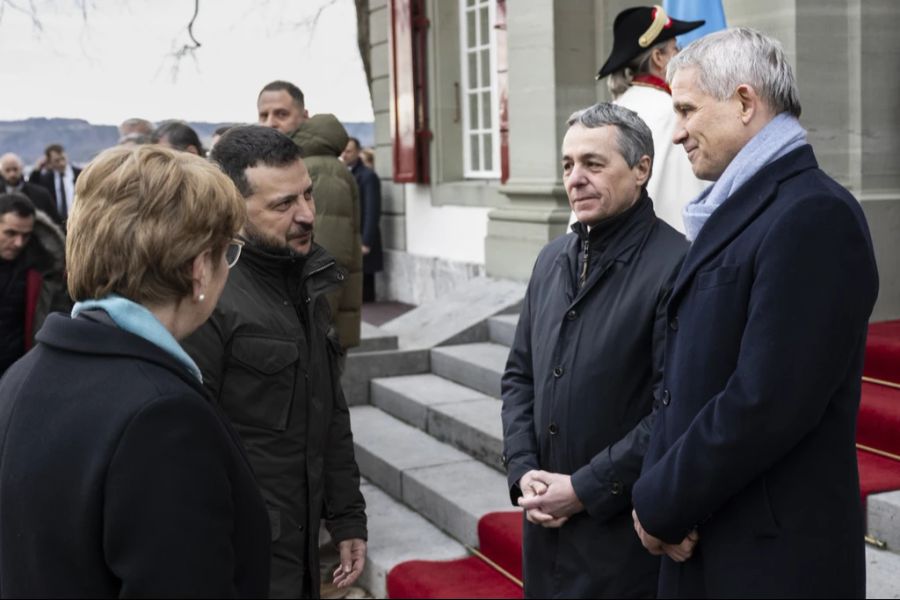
point(58, 177)
point(754, 442)
point(12, 172)
point(369, 216)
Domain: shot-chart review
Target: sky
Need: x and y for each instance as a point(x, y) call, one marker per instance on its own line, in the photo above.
point(117, 62)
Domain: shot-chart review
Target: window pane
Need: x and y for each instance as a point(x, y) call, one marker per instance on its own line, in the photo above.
point(475, 164)
point(470, 2)
point(473, 111)
point(470, 28)
point(488, 152)
point(485, 27)
point(473, 70)
point(486, 74)
point(486, 111)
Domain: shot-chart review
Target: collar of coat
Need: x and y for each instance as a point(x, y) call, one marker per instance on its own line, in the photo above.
point(91, 336)
point(614, 240)
point(739, 210)
point(318, 266)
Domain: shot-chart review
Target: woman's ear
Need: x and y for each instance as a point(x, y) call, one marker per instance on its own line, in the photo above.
point(201, 274)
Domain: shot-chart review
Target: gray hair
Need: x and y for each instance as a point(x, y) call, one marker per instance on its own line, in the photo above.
point(635, 139)
point(727, 59)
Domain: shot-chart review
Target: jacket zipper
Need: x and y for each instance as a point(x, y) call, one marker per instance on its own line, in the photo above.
point(584, 267)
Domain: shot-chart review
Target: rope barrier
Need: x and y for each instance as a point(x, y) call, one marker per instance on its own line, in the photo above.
point(496, 567)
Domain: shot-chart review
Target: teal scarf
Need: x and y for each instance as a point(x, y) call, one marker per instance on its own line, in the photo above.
point(136, 319)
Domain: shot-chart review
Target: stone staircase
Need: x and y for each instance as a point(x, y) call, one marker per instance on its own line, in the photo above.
point(428, 443)
point(428, 446)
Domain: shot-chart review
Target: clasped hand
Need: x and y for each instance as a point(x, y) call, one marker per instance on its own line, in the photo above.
point(548, 498)
point(655, 546)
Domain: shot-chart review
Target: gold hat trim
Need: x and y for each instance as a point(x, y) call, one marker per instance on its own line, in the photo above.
point(659, 22)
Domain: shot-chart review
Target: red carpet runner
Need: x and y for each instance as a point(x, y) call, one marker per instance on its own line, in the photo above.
point(500, 534)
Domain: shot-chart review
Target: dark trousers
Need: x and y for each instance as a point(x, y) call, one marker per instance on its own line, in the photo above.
point(368, 287)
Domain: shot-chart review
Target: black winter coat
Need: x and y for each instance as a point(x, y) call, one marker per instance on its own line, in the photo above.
point(369, 216)
point(755, 439)
point(267, 358)
point(119, 478)
point(577, 392)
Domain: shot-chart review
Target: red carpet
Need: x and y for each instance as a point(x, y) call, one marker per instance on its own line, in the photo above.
point(878, 424)
point(877, 474)
point(883, 351)
point(464, 578)
point(500, 535)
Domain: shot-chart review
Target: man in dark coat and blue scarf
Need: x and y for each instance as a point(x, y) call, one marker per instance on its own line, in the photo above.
point(754, 443)
point(584, 368)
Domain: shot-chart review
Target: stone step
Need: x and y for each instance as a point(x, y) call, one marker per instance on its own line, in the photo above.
point(502, 329)
point(457, 316)
point(446, 486)
point(460, 416)
point(883, 518)
point(477, 366)
point(360, 368)
point(882, 573)
point(398, 534)
point(374, 339)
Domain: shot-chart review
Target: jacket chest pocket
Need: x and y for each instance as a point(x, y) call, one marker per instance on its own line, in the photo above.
point(717, 277)
point(260, 378)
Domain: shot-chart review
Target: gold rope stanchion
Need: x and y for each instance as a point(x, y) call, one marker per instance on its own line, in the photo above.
point(881, 382)
point(495, 566)
point(883, 453)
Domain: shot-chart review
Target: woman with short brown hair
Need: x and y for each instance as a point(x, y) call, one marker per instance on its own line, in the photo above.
point(118, 476)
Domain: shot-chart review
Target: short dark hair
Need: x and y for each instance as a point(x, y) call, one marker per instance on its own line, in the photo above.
point(355, 141)
point(247, 146)
point(285, 86)
point(16, 203)
point(221, 130)
point(179, 134)
point(53, 148)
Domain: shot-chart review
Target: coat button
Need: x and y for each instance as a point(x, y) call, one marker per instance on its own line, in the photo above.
point(572, 315)
point(553, 429)
point(558, 372)
point(673, 323)
point(666, 398)
point(616, 488)
point(300, 527)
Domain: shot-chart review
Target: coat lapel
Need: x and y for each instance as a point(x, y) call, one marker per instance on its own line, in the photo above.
point(738, 212)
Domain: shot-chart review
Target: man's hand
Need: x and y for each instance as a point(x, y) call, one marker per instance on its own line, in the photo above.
point(556, 501)
point(531, 486)
point(655, 546)
point(353, 559)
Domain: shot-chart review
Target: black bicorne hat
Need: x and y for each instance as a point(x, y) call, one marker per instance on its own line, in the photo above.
point(636, 29)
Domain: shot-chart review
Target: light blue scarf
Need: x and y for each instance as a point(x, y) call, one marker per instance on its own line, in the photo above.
point(136, 319)
point(780, 136)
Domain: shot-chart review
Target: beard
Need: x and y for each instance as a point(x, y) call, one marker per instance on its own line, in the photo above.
point(271, 244)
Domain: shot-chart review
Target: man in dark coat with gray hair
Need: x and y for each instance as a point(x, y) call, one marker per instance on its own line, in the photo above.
point(755, 443)
point(580, 382)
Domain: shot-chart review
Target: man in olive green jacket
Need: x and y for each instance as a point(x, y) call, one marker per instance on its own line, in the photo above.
point(322, 138)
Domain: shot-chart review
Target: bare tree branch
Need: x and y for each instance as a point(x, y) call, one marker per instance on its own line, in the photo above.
point(186, 49)
point(30, 11)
